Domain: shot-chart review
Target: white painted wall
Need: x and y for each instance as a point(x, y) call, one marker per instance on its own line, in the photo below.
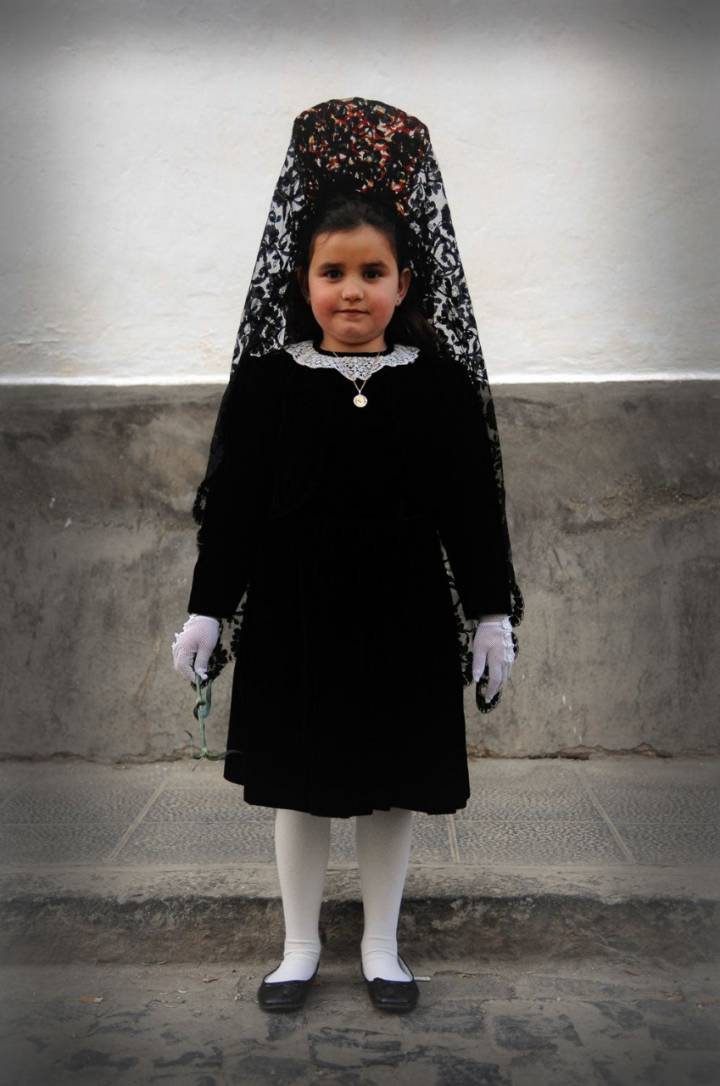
point(141, 142)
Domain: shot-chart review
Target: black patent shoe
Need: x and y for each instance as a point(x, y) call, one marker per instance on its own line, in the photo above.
point(284, 995)
point(392, 995)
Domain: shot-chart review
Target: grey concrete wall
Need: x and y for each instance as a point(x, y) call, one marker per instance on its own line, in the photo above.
point(614, 517)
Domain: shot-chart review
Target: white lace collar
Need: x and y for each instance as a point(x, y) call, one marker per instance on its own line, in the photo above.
point(354, 366)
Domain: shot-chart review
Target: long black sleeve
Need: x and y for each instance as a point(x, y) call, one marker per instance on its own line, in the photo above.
point(237, 499)
point(469, 515)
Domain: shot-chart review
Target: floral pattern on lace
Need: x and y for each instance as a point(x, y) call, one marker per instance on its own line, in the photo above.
point(356, 367)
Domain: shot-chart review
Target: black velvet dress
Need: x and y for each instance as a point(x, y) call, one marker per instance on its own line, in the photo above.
point(347, 692)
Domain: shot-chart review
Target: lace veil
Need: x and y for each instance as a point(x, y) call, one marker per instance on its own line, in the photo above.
point(369, 147)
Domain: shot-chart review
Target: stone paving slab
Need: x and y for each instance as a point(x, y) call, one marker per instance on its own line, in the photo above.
point(630, 810)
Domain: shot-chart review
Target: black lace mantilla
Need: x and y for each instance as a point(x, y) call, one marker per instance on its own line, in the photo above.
point(367, 146)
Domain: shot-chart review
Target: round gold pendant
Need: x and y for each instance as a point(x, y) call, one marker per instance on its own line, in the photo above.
point(359, 400)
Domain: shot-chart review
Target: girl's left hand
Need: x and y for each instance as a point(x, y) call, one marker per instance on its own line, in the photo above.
point(193, 646)
point(493, 645)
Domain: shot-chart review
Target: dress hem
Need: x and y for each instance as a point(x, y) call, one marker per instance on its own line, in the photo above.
point(295, 803)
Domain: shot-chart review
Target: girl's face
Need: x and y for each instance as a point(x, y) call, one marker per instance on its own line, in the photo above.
point(353, 286)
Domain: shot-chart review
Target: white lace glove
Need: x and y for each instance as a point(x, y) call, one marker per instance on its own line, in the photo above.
point(493, 644)
point(195, 641)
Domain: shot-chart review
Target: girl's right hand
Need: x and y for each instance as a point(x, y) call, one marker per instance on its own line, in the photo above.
point(195, 642)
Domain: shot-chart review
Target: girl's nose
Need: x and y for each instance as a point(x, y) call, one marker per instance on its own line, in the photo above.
point(352, 289)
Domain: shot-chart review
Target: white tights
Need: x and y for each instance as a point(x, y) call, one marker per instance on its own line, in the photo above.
point(302, 848)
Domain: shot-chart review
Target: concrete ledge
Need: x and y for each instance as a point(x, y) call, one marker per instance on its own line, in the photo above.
point(160, 862)
point(213, 914)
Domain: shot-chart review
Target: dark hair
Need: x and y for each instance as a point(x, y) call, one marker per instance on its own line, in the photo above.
point(346, 211)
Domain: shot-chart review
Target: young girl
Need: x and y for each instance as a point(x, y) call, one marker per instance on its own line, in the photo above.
point(352, 465)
